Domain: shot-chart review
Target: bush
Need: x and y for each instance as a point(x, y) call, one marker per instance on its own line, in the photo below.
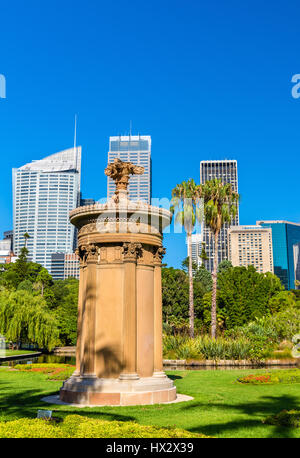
point(270, 329)
point(204, 347)
point(290, 418)
point(77, 426)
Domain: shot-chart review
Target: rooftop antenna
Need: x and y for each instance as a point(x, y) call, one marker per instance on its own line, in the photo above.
point(130, 128)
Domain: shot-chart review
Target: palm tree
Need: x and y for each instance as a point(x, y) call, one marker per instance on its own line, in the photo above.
point(185, 199)
point(220, 207)
point(26, 237)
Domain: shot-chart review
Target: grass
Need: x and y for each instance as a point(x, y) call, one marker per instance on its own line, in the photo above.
point(222, 407)
point(6, 353)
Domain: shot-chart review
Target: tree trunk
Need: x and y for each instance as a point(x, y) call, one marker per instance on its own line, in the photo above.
point(214, 290)
point(191, 288)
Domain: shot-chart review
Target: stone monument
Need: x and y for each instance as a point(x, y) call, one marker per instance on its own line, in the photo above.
point(119, 333)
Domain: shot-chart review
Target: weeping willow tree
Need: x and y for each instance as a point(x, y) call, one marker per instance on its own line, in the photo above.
point(26, 318)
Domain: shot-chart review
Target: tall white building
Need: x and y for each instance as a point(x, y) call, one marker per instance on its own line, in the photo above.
point(135, 149)
point(44, 193)
point(251, 245)
point(226, 170)
point(196, 248)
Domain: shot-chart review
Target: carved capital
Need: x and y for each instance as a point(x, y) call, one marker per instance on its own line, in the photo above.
point(87, 254)
point(81, 252)
point(93, 253)
point(158, 254)
point(132, 250)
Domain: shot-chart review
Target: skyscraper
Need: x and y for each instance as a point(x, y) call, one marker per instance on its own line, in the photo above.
point(251, 245)
point(44, 192)
point(196, 240)
point(135, 149)
point(296, 249)
point(226, 170)
point(64, 265)
point(284, 236)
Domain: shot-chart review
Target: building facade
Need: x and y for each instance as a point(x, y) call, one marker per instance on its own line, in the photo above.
point(195, 248)
point(135, 149)
point(251, 245)
point(64, 265)
point(296, 250)
point(285, 235)
point(84, 202)
point(9, 235)
point(226, 170)
point(44, 193)
point(6, 254)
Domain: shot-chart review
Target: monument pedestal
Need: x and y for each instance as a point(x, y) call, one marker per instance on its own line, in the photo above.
point(119, 334)
point(96, 391)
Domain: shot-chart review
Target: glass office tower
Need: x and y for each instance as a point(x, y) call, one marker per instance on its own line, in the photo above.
point(284, 236)
point(296, 249)
point(135, 149)
point(44, 193)
point(226, 170)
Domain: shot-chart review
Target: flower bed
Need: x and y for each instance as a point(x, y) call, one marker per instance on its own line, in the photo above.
point(53, 371)
point(280, 376)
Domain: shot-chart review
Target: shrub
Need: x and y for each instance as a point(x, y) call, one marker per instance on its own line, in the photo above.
point(77, 426)
point(280, 354)
point(290, 418)
point(204, 347)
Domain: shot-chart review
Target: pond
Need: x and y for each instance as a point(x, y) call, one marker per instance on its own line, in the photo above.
point(70, 359)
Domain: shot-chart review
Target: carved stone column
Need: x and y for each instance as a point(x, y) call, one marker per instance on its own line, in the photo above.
point(131, 251)
point(158, 344)
point(81, 253)
point(88, 315)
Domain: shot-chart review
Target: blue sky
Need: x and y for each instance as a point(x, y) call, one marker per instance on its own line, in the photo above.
point(207, 80)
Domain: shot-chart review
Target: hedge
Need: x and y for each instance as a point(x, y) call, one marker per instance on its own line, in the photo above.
point(77, 426)
point(290, 418)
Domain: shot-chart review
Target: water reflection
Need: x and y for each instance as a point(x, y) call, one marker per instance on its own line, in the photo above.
point(71, 359)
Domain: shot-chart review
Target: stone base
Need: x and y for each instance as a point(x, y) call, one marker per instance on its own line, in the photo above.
point(116, 392)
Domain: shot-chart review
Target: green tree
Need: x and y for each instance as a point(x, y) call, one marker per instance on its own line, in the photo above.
point(244, 294)
point(220, 207)
point(175, 294)
point(26, 318)
point(281, 301)
point(224, 265)
point(185, 265)
point(204, 277)
point(43, 280)
point(203, 254)
point(175, 299)
point(185, 200)
point(66, 312)
point(25, 285)
point(16, 272)
point(26, 237)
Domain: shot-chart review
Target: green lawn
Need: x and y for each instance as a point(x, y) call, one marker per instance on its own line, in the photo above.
point(15, 352)
point(221, 408)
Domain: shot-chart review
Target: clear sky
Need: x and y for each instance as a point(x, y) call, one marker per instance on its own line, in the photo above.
point(206, 79)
